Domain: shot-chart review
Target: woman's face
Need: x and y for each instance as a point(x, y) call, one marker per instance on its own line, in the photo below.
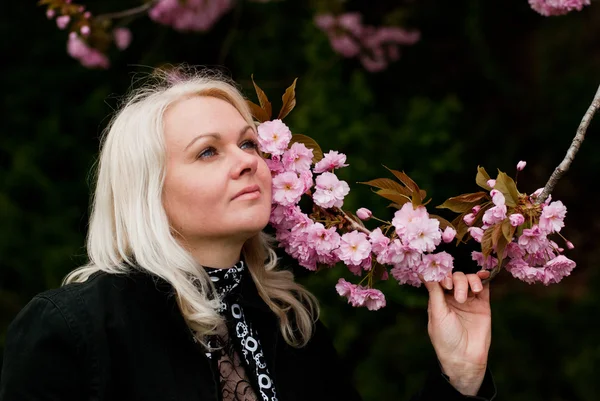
point(217, 186)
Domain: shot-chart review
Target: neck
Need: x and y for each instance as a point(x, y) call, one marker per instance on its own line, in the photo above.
point(220, 255)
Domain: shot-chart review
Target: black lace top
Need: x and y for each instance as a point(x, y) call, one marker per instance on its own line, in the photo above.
point(239, 358)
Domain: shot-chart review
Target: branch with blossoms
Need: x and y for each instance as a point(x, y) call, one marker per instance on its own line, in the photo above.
point(514, 229)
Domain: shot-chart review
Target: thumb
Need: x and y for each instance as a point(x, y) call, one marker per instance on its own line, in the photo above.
point(437, 298)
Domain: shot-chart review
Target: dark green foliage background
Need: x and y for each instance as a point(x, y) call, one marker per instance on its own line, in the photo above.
point(490, 83)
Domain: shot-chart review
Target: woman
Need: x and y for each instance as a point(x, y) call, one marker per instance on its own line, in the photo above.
point(177, 301)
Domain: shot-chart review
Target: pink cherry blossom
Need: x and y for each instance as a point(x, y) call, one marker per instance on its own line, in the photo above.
point(297, 158)
point(436, 266)
point(274, 137)
point(85, 30)
point(371, 298)
point(307, 179)
point(344, 288)
point(570, 245)
point(521, 270)
point(476, 233)
point(275, 165)
point(423, 234)
point(448, 234)
point(494, 215)
point(521, 165)
point(516, 219)
point(287, 188)
point(406, 275)
point(475, 209)
point(87, 56)
point(549, 8)
point(400, 254)
point(491, 183)
point(330, 191)
point(354, 248)
point(489, 263)
point(552, 217)
point(50, 13)
point(532, 239)
point(515, 251)
point(323, 240)
point(331, 160)
point(559, 267)
point(286, 217)
point(405, 216)
point(364, 214)
point(190, 15)
point(497, 197)
point(469, 219)
point(63, 21)
point(122, 38)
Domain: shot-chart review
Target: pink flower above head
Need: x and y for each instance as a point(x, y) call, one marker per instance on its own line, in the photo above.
point(436, 266)
point(351, 22)
point(325, 22)
point(552, 217)
point(62, 21)
point(87, 56)
point(191, 15)
point(297, 158)
point(354, 248)
point(448, 234)
point(344, 45)
point(287, 188)
point(423, 234)
point(549, 8)
point(406, 215)
point(331, 160)
point(122, 38)
point(494, 215)
point(406, 275)
point(330, 191)
point(274, 137)
point(364, 214)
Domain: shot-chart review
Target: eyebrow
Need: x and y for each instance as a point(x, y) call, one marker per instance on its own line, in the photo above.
point(215, 135)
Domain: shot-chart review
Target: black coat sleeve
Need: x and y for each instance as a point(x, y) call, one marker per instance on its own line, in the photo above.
point(43, 355)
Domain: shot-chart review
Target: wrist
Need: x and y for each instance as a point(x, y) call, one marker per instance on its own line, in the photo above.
point(465, 377)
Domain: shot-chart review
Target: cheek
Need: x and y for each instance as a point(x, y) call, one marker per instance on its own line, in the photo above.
point(187, 198)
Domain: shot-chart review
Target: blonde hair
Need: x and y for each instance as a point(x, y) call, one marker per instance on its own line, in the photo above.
point(129, 226)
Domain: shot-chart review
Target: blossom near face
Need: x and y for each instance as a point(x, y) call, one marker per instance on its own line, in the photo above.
point(217, 185)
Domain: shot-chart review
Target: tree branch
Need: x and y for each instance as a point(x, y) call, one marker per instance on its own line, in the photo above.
point(566, 163)
point(129, 12)
point(353, 223)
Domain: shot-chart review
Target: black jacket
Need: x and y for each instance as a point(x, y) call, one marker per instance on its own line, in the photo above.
point(121, 337)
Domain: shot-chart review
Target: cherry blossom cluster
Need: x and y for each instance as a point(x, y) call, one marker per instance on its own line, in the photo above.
point(549, 8)
point(519, 232)
point(375, 47)
point(89, 38)
point(190, 15)
point(328, 235)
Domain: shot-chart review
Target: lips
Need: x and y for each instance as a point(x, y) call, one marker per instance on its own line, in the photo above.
point(252, 189)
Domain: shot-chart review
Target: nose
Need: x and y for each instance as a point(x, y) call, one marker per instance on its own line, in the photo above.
point(244, 163)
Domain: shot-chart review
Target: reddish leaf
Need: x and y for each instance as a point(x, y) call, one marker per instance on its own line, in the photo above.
point(262, 99)
point(443, 222)
point(482, 178)
point(289, 100)
point(258, 112)
point(393, 196)
point(386, 183)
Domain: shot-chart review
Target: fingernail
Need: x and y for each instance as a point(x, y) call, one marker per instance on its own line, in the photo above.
point(477, 288)
point(448, 282)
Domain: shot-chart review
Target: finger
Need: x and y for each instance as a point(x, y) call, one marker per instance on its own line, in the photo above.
point(485, 293)
point(447, 282)
point(461, 287)
point(437, 302)
point(475, 283)
point(483, 274)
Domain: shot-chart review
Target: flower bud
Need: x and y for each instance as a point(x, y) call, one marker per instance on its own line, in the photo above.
point(516, 219)
point(62, 21)
point(364, 213)
point(50, 14)
point(475, 209)
point(448, 234)
point(521, 165)
point(469, 219)
point(570, 245)
point(85, 30)
point(491, 183)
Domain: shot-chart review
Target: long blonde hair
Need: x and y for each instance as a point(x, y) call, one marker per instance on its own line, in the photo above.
point(129, 226)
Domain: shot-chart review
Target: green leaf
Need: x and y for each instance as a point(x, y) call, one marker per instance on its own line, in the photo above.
point(507, 186)
point(289, 100)
point(482, 178)
point(309, 143)
point(263, 100)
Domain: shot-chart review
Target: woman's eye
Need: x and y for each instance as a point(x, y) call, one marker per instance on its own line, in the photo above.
point(249, 144)
point(206, 153)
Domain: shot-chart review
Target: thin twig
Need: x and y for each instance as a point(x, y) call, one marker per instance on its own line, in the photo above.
point(128, 12)
point(353, 223)
point(566, 163)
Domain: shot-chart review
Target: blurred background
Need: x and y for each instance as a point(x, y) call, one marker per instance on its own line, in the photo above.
point(487, 83)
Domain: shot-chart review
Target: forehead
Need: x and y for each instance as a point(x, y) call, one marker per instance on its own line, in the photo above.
point(196, 115)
